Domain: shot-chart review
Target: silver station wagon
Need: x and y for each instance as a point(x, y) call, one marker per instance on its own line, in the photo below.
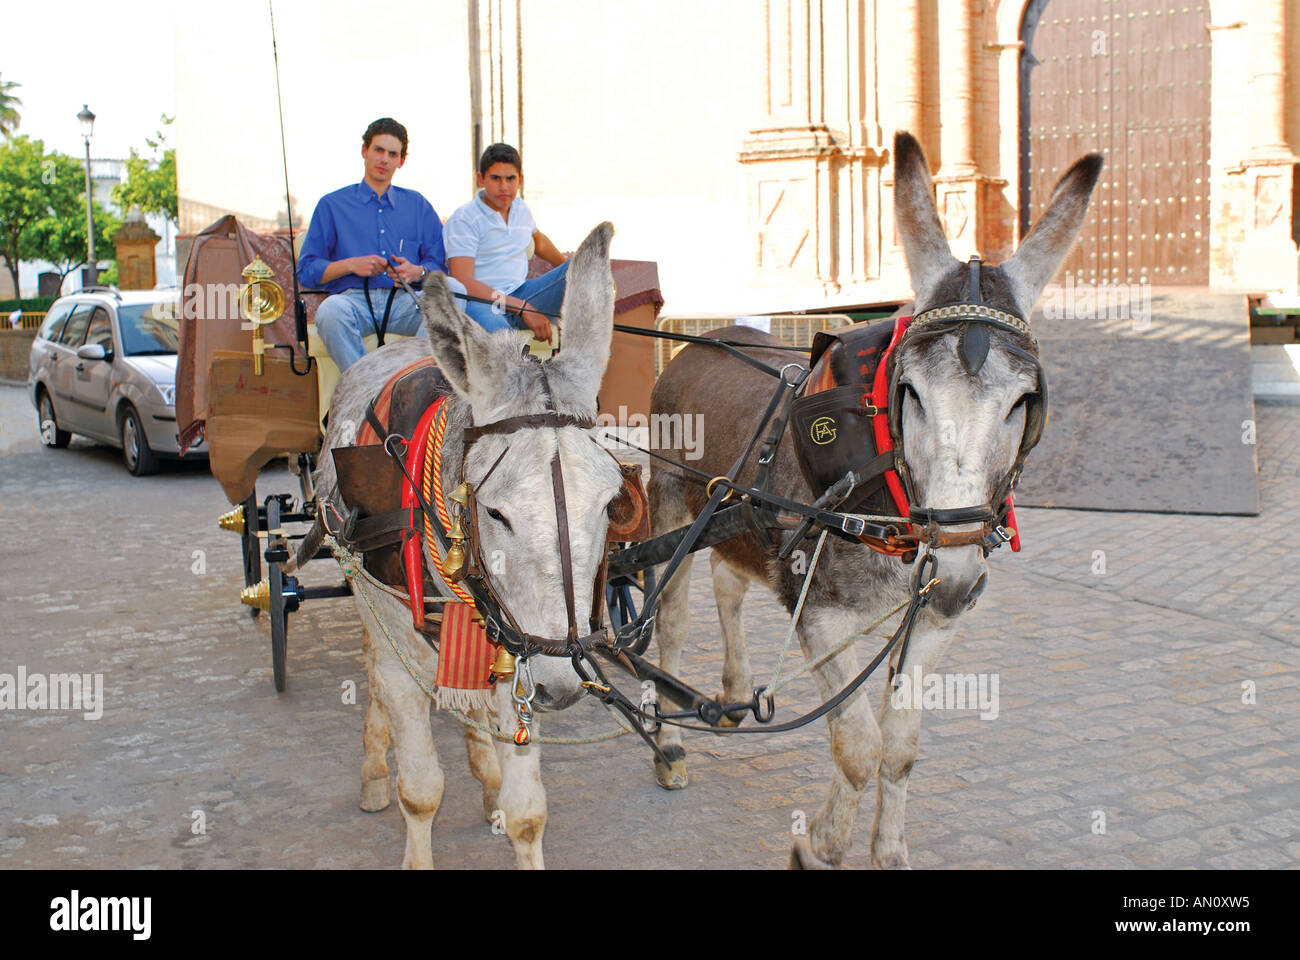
point(103, 366)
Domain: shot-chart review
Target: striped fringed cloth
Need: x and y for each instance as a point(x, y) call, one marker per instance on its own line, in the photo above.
point(464, 661)
point(464, 654)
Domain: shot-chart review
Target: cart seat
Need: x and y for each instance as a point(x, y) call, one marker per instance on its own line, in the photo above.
point(327, 371)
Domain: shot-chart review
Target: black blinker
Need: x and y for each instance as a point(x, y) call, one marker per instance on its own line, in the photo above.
point(973, 347)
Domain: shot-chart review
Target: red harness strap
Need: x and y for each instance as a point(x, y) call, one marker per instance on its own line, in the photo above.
point(412, 545)
point(879, 398)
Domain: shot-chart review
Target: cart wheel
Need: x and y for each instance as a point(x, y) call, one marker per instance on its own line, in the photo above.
point(279, 613)
point(625, 595)
point(279, 627)
point(252, 550)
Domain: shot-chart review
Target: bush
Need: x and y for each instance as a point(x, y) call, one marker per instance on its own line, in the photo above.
point(28, 305)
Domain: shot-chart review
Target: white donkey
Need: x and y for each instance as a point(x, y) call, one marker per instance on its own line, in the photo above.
point(516, 521)
point(962, 432)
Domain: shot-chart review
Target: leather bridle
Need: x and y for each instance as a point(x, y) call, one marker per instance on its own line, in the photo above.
point(499, 624)
point(972, 317)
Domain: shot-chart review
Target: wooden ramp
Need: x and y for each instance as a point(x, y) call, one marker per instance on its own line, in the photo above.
point(1150, 407)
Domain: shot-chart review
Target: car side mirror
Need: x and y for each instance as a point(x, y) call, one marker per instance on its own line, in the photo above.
point(92, 351)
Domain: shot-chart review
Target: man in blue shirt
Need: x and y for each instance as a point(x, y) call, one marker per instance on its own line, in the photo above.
point(353, 234)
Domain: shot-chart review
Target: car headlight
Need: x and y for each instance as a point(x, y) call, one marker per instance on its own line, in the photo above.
point(168, 393)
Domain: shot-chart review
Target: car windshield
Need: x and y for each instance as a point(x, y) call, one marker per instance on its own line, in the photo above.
point(149, 329)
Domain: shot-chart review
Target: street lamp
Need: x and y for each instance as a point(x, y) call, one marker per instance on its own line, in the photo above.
point(87, 120)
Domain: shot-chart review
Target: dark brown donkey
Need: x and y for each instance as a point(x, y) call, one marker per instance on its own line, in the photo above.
point(962, 432)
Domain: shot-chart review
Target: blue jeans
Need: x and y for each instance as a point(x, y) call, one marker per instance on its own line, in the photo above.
point(343, 319)
point(544, 294)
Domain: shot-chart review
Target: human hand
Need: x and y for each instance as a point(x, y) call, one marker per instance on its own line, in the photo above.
point(405, 270)
point(539, 324)
point(371, 265)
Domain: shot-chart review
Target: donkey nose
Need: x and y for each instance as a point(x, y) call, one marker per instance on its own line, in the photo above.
point(976, 589)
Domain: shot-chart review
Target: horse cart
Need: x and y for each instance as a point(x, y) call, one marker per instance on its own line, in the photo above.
point(256, 382)
point(877, 449)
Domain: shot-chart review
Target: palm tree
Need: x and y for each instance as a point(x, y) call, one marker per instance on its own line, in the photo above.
point(9, 118)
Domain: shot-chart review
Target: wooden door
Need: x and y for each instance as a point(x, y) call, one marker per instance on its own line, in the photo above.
point(1130, 78)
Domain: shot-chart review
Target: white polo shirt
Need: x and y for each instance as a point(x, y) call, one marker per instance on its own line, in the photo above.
point(499, 248)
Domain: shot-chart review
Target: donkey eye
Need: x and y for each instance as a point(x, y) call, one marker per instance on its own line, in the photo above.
point(910, 391)
point(1023, 401)
point(499, 518)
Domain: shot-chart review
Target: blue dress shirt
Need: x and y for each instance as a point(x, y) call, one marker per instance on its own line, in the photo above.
point(355, 222)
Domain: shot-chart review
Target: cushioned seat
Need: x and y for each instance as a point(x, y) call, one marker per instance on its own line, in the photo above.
point(327, 372)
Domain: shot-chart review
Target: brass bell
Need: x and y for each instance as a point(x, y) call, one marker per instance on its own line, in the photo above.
point(457, 532)
point(461, 494)
point(504, 664)
point(453, 567)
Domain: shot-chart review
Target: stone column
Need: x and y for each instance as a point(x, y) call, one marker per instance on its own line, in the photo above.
point(1267, 260)
point(959, 190)
point(814, 159)
point(135, 244)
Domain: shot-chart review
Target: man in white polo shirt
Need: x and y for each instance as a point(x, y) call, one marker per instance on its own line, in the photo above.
point(487, 251)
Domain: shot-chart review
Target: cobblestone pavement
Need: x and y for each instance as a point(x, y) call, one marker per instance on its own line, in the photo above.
point(1121, 642)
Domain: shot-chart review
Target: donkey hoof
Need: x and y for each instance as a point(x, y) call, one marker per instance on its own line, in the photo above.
point(374, 794)
point(732, 719)
point(891, 861)
point(802, 857)
point(672, 776)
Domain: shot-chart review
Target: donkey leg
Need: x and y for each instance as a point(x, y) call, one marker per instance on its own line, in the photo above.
point(375, 739)
point(483, 762)
point(671, 623)
point(855, 740)
point(672, 619)
point(419, 775)
point(729, 586)
point(900, 728)
point(420, 779)
point(522, 796)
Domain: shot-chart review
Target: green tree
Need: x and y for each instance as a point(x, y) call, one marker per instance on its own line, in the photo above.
point(150, 182)
point(9, 118)
point(34, 185)
point(62, 240)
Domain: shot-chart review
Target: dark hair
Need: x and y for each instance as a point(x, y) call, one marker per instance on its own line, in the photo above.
point(384, 125)
point(499, 153)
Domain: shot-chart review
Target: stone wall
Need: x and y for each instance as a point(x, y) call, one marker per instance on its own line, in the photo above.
point(15, 348)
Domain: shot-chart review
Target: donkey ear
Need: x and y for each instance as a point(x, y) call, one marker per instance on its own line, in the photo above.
point(1045, 247)
point(929, 258)
point(464, 350)
point(588, 317)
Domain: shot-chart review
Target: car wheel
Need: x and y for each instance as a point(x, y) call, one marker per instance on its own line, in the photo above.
point(51, 435)
point(139, 459)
